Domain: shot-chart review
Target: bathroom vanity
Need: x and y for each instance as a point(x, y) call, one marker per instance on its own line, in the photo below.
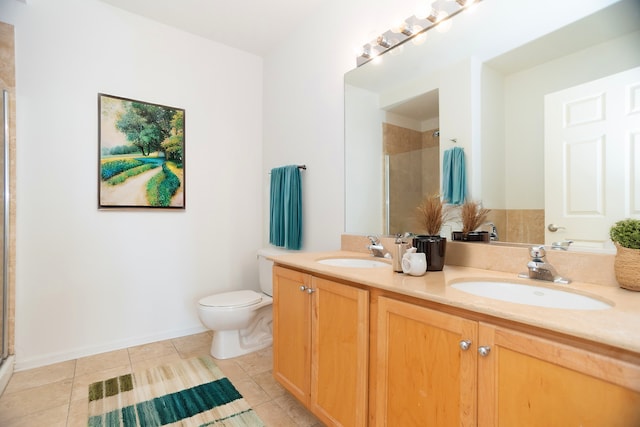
point(367, 346)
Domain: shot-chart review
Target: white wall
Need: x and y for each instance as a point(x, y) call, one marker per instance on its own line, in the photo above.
point(303, 105)
point(89, 281)
point(367, 211)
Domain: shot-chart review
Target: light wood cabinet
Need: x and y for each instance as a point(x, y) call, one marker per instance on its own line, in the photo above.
point(433, 365)
point(321, 345)
point(423, 377)
point(441, 369)
point(292, 332)
point(530, 381)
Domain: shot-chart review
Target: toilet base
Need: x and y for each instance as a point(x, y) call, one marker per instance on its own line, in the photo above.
point(236, 342)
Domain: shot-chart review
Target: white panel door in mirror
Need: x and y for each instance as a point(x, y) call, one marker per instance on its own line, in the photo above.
point(592, 150)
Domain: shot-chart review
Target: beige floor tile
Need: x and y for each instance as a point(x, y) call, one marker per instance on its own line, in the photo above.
point(231, 370)
point(143, 365)
point(269, 385)
point(101, 362)
point(57, 395)
point(251, 391)
point(53, 417)
point(152, 351)
point(19, 404)
point(193, 345)
point(78, 413)
point(257, 362)
point(296, 411)
point(272, 415)
point(80, 390)
point(40, 376)
point(195, 353)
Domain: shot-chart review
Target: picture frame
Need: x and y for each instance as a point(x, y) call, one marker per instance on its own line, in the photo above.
point(141, 147)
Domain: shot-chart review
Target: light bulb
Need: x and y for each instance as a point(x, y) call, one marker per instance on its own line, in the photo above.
point(442, 23)
point(398, 26)
point(420, 38)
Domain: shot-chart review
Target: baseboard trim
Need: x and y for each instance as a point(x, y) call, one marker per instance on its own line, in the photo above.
point(48, 359)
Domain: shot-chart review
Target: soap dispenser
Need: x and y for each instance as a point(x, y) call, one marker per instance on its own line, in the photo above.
point(399, 249)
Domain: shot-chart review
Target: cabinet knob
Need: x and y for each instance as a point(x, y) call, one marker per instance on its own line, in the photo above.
point(465, 344)
point(303, 288)
point(310, 290)
point(484, 350)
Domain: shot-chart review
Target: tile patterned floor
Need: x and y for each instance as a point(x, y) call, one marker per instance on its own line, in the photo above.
point(56, 395)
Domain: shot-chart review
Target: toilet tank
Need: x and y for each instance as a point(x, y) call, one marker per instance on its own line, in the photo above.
point(265, 267)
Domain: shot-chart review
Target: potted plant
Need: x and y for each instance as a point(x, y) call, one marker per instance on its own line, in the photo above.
point(625, 234)
point(473, 215)
point(431, 214)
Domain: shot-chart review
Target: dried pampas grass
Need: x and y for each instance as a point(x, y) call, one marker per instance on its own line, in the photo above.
point(432, 213)
point(473, 215)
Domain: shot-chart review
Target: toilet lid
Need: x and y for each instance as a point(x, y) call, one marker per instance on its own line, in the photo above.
point(232, 299)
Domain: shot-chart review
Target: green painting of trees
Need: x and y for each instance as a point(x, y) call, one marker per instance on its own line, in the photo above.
point(172, 146)
point(147, 125)
point(141, 154)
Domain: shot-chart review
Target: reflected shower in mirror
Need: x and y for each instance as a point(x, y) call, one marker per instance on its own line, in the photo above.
point(411, 147)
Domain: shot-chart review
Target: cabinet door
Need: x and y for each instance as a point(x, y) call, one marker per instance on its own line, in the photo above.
point(529, 381)
point(292, 331)
point(340, 353)
point(424, 377)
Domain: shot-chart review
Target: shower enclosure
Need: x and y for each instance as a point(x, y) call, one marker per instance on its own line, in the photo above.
point(7, 213)
point(412, 171)
point(4, 188)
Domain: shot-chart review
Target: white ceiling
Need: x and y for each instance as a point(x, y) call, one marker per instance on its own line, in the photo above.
point(251, 25)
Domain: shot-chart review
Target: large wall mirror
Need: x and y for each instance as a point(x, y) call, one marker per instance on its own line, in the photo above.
point(483, 87)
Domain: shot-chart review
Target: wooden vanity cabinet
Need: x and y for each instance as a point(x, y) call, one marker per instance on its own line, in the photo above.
point(423, 375)
point(292, 332)
point(434, 368)
point(529, 381)
point(432, 365)
point(321, 345)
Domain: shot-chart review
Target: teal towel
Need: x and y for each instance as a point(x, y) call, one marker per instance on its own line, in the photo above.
point(454, 176)
point(285, 208)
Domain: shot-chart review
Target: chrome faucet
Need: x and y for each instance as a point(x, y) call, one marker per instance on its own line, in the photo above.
point(540, 269)
point(562, 245)
point(376, 248)
point(493, 231)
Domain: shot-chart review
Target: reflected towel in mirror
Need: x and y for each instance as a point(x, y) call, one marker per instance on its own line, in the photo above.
point(454, 176)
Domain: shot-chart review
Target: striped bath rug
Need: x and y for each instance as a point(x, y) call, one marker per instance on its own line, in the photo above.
point(192, 392)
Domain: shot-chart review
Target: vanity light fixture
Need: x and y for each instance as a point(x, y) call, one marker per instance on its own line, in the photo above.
point(411, 28)
point(382, 41)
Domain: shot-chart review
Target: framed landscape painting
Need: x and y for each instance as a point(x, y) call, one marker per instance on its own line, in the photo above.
point(141, 154)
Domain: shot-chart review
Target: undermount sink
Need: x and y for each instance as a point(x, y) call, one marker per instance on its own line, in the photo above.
point(539, 296)
point(354, 262)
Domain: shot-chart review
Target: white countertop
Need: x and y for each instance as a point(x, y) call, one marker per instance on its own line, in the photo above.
point(618, 326)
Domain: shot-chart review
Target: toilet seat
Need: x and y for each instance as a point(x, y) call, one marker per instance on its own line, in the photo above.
point(233, 299)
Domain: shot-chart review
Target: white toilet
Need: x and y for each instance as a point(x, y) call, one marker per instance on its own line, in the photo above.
point(241, 320)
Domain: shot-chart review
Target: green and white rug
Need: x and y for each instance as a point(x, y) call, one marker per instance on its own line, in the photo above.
point(192, 392)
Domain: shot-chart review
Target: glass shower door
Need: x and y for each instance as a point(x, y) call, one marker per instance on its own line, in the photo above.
point(4, 220)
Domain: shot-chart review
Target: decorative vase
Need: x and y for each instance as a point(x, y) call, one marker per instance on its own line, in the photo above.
point(434, 248)
point(473, 236)
point(627, 267)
